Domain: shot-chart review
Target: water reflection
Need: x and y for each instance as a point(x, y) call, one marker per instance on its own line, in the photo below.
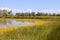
point(15, 23)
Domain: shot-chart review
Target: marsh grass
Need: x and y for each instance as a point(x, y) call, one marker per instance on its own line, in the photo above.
point(55, 33)
point(28, 33)
point(49, 31)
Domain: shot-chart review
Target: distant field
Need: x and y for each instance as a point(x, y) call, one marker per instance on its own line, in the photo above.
point(30, 17)
point(45, 28)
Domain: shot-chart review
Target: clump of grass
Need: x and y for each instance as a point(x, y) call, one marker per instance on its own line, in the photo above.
point(55, 33)
point(2, 30)
point(27, 33)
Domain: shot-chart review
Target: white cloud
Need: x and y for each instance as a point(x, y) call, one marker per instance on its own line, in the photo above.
point(26, 10)
point(50, 10)
point(30, 10)
point(17, 10)
point(8, 9)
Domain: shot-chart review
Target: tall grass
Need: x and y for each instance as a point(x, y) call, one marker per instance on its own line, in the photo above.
point(28, 33)
point(45, 32)
point(55, 33)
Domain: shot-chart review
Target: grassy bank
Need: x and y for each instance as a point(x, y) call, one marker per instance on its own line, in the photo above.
point(31, 33)
point(30, 17)
point(50, 31)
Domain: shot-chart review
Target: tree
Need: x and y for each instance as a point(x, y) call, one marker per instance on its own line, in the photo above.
point(57, 14)
point(46, 14)
point(10, 13)
point(54, 14)
point(32, 13)
point(4, 12)
point(38, 14)
point(50, 14)
point(27, 14)
point(1, 12)
point(17, 14)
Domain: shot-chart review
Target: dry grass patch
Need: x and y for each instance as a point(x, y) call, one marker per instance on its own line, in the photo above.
point(41, 23)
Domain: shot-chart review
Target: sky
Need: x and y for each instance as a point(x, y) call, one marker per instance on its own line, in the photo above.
point(31, 5)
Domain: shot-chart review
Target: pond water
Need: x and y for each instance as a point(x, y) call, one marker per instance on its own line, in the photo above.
point(14, 23)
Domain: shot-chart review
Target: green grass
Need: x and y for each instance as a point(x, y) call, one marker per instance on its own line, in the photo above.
point(46, 32)
point(55, 33)
point(32, 33)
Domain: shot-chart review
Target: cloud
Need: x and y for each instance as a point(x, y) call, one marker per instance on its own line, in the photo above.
point(17, 10)
point(30, 10)
point(26, 10)
point(8, 9)
point(50, 10)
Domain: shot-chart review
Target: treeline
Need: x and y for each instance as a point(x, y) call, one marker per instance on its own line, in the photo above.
point(10, 13)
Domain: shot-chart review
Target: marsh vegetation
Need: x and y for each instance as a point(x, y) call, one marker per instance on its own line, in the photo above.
point(29, 26)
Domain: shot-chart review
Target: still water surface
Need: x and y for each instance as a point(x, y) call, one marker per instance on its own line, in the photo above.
point(14, 23)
